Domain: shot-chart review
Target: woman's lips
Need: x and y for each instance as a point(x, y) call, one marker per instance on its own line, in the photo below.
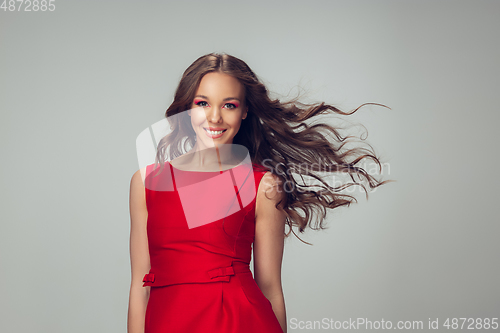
point(214, 136)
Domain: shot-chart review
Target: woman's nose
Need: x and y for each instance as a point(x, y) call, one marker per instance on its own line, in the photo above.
point(214, 115)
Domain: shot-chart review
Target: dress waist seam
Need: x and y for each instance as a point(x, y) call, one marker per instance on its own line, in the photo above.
point(216, 274)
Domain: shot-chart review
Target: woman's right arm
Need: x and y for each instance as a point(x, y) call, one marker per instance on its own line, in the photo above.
point(139, 255)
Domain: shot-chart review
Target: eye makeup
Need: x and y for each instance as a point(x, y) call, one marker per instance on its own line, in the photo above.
point(235, 104)
point(196, 101)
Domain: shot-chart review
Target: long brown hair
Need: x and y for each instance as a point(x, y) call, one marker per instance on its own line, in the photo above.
point(277, 137)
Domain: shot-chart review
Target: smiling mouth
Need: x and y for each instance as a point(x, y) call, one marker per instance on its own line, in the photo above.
point(214, 132)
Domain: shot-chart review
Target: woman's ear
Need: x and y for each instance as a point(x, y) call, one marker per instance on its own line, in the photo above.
point(246, 113)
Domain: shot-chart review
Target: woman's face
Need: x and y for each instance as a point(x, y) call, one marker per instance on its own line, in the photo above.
point(217, 109)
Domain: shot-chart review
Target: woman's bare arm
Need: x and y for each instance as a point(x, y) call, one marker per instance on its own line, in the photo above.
point(269, 244)
point(139, 255)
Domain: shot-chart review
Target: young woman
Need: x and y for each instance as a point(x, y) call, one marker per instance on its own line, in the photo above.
point(190, 245)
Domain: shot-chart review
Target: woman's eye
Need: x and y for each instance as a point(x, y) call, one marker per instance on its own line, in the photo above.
point(230, 106)
point(201, 103)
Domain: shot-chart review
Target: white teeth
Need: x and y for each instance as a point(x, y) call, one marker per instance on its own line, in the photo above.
point(214, 132)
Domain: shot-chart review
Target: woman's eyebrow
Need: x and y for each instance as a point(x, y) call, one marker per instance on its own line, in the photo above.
point(225, 99)
point(230, 98)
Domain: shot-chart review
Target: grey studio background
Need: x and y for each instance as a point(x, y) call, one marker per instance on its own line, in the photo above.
point(80, 83)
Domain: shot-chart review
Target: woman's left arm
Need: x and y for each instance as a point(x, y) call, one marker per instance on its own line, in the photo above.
point(269, 243)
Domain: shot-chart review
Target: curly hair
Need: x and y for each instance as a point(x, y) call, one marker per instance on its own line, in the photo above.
point(279, 139)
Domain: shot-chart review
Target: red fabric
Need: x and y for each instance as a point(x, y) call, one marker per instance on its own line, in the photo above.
point(200, 277)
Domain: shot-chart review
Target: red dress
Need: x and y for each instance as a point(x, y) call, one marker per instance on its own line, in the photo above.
point(200, 277)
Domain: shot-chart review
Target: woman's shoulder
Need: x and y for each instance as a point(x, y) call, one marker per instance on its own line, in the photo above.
point(258, 167)
point(265, 177)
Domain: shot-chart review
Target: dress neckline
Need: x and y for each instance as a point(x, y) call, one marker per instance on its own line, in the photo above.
point(203, 171)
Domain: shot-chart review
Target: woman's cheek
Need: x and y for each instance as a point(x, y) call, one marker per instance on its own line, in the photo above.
point(198, 116)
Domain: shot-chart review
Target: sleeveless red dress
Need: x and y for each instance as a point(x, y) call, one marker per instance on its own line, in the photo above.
point(200, 277)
